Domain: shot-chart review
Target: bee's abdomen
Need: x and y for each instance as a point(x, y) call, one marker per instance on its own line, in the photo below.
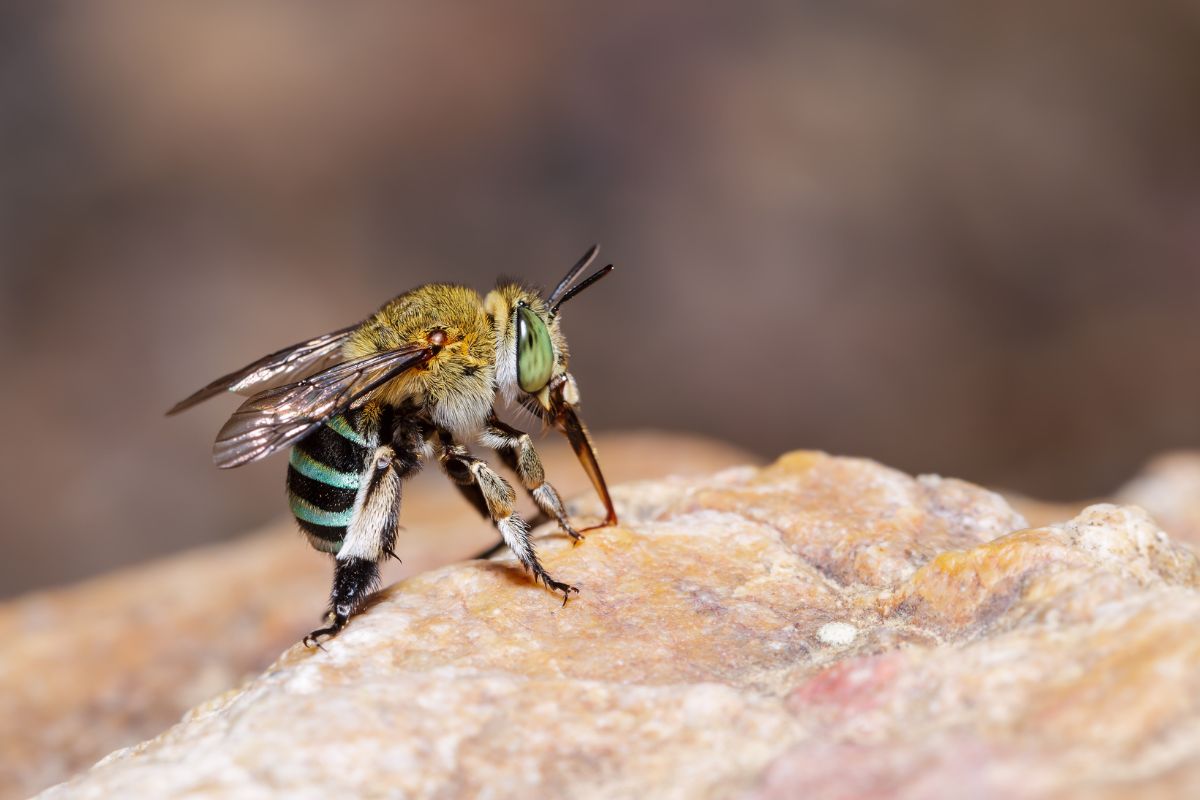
point(324, 474)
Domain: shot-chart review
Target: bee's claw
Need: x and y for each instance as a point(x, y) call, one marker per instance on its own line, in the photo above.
point(576, 536)
point(559, 586)
point(313, 639)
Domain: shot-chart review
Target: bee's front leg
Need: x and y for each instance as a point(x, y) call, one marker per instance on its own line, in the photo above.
point(500, 499)
point(516, 450)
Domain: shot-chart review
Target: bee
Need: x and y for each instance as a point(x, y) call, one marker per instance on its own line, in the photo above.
point(362, 408)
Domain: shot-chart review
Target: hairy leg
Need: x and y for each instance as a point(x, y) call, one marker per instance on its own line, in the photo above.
point(516, 450)
point(500, 498)
point(371, 534)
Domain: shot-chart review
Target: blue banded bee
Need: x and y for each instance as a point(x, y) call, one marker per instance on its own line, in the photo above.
point(363, 407)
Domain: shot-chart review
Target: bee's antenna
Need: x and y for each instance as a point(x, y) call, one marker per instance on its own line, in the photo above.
point(586, 282)
point(556, 297)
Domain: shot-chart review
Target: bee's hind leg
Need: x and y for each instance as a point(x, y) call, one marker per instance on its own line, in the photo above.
point(500, 500)
point(353, 580)
point(371, 534)
point(516, 451)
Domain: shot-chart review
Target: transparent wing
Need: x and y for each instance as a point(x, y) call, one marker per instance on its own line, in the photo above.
point(282, 416)
point(284, 365)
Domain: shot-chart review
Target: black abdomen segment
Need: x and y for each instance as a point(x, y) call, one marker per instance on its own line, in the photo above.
point(324, 474)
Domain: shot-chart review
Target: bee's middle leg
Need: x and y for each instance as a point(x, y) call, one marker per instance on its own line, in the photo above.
point(515, 448)
point(500, 500)
point(465, 481)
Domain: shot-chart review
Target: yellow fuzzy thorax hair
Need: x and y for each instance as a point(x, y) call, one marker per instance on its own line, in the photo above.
point(465, 364)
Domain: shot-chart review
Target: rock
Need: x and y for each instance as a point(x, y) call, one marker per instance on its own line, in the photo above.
point(1039, 513)
point(120, 658)
point(822, 627)
point(1063, 662)
point(1169, 488)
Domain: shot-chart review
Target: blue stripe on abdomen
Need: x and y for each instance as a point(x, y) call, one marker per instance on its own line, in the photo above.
point(340, 425)
point(335, 450)
point(325, 471)
point(309, 467)
point(302, 509)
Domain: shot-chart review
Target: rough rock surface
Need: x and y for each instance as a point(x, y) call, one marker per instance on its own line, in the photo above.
point(120, 658)
point(1168, 487)
point(822, 627)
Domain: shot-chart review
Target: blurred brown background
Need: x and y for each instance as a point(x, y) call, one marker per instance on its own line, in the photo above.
point(955, 237)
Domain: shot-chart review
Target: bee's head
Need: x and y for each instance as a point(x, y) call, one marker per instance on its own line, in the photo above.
point(531, 361)
point(531, 351)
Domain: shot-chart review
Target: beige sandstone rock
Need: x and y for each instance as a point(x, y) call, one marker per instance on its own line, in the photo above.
point(109, 662)
point(1169, 488)
point(822, 627)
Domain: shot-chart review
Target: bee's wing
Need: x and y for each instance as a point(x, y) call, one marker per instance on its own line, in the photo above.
point(287, 364)
point(279, 417)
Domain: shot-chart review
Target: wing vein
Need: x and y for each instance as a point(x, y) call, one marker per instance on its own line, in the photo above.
point(279, 417)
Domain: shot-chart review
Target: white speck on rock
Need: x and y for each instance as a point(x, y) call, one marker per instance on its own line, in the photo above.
point(837, 633)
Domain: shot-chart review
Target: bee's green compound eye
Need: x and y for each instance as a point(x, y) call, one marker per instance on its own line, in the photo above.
point(535, 353)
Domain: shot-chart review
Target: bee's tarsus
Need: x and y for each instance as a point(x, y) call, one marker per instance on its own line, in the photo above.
point(313, 639)
point(557, 586)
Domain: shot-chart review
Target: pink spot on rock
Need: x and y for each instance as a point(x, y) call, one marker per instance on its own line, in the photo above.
point(851, 686)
